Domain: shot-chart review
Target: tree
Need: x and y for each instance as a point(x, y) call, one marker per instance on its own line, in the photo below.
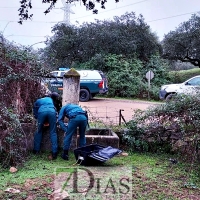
point(184, 43)
point(126, 35)
point(26, 5)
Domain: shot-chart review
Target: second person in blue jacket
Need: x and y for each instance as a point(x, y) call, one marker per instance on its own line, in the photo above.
point(77, 118)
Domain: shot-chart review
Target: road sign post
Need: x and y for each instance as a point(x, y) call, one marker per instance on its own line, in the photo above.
point(149, 76)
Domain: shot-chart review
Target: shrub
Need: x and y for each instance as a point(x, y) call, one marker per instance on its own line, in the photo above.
point(13, 150)
point(19, 87)
point(171, 127)
point(183, 75)
point(133, 137)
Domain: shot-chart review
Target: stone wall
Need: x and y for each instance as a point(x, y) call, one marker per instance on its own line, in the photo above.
point(29, 129)
point(104, 137)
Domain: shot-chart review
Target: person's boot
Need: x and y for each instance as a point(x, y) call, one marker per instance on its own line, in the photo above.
point(35, 152)
point(64, 155)
point(54, 155)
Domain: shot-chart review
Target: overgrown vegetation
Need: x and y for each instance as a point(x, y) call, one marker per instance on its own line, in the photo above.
point(13, 140)
point(19, 86)
point(183, 75)
point(173, 127)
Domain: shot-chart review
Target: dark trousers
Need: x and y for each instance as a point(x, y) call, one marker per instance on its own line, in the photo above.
point(43, 117)
point(79, 121)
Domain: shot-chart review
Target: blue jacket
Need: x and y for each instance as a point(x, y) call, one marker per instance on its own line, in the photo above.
point(43, 105)
point(69, 111)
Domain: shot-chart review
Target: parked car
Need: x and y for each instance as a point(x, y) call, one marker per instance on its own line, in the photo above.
point(92, 82)
point(191, 86)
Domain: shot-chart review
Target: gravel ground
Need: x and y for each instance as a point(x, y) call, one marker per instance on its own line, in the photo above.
point(107, 109)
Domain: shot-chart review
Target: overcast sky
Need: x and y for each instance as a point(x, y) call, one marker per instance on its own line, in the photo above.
point(161, 15)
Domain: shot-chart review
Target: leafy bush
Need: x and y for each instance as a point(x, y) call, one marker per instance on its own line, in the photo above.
point(183, 75)
point(20, 86)
point(133, 137)
point(173, 126)
point(13, 140)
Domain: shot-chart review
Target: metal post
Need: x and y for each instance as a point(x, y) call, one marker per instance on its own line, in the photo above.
point(121, 117)
point(149, 84)
point(120, 114)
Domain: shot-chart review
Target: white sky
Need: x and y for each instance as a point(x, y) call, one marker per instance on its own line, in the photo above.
point(161, 15)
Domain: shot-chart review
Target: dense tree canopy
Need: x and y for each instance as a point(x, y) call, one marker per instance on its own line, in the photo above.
point(184, 43)
point(26, 5)
point(127, 35)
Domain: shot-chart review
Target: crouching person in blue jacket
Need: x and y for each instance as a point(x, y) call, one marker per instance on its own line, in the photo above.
point(77, 118)
point(45, 112)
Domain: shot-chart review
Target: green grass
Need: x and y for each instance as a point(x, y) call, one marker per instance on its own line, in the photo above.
point(36, 167)
point(154, 177)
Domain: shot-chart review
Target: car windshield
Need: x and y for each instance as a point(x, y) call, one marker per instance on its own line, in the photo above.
point(195, 81)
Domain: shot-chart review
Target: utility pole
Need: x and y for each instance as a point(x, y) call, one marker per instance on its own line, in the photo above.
point(67, 12)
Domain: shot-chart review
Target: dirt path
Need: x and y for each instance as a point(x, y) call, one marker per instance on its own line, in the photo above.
point(107, 110)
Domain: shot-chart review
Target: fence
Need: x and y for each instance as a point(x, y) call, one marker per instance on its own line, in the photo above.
point(105, 115)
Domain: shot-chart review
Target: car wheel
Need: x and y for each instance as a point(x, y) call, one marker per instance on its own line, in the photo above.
point(84, 95)
point(169, 97)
